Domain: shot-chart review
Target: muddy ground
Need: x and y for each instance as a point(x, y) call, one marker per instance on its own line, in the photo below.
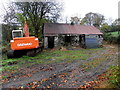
point(62, 74)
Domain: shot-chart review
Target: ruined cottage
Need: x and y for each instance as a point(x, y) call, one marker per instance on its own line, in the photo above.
point(56, 34)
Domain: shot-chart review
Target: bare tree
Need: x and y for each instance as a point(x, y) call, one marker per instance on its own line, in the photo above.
point(39, 12)
point(8, 18)
point(95, 19)
point(75, 20)
point(116, 22)
point(35, 13)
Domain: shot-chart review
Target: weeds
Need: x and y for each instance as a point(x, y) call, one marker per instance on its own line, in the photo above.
point(114, 76)
point(52, 56)
point(68, 56)
point(49, 56)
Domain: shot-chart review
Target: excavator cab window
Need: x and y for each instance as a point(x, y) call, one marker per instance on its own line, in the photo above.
point(17, 33)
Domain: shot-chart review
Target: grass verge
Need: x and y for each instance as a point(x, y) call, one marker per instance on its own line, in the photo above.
point(47, 57)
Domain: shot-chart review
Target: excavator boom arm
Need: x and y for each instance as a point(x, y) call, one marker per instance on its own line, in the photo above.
point(26, 29)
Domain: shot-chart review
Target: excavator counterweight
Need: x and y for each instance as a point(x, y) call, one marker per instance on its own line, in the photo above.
point(23, 44)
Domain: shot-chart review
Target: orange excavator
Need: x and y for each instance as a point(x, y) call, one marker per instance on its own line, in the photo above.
point(23, 44)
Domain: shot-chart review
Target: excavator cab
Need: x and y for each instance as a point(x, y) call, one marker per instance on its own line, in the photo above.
point(17, 33)
point(23, 44)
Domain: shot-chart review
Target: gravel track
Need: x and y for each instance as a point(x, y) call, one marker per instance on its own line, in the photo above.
point(74, 75)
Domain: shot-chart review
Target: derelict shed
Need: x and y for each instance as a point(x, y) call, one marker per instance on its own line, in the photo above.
point(56, 34)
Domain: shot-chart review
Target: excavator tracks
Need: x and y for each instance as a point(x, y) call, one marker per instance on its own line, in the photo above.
point(20, 53)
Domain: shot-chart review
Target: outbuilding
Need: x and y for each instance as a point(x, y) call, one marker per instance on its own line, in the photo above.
point(57, 34)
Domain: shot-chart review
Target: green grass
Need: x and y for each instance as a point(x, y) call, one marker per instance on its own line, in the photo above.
point(115, 34)
point(10, 68)
point(48, 56)
point(69, 56)
point(114, 76)
point(96, 61)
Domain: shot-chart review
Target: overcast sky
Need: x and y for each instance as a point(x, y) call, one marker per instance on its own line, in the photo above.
point(108, 8)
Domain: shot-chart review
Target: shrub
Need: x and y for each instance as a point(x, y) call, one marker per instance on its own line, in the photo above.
point(114, 77)
point(111, 39)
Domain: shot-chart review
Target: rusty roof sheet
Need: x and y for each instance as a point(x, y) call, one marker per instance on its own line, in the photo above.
point(52, 29)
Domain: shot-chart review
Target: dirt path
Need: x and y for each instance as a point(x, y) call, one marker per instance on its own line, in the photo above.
point(64, 75)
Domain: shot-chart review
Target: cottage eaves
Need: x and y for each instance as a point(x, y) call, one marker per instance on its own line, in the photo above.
point(52, 29)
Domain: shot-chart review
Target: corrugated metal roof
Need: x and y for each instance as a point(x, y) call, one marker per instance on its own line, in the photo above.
point(51, 29)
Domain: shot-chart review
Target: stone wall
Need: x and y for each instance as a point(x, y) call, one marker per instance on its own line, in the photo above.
point(56, 41)
point(45, 42)
point(60, 40)
point(75, 41)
